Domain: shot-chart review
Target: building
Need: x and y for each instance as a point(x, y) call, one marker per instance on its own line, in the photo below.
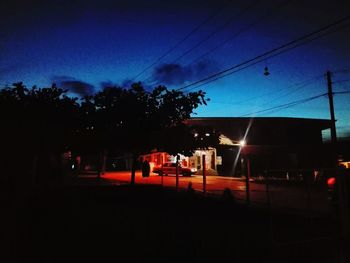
point(254, 145)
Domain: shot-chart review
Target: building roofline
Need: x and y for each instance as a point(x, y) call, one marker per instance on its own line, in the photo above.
point(324, 123)
point(258, 118)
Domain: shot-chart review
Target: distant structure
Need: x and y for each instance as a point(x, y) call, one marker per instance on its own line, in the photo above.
point(255, 145)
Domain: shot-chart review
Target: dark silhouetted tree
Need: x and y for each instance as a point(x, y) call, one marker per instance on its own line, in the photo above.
point(138, 121)
point(38, 125)
point(41, 124)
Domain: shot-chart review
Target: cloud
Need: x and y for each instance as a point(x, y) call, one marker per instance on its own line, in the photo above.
point(74, 86)
point(176, 74)
point(171, 74)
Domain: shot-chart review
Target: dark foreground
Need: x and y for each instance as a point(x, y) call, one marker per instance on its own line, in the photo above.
point(127, 224)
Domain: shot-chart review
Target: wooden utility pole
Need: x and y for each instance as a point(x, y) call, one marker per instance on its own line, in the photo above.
point(343, 209)
point(331, 107)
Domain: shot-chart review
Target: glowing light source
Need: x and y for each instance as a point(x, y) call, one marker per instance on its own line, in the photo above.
point(331, 181)
point(196, 135)
point(242, 143)
point(207, 134)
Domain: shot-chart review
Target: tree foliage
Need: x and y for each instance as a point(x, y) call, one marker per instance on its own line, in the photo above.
point(36, 118)
point(45, 121)
point(138, 121)
point(37, 125)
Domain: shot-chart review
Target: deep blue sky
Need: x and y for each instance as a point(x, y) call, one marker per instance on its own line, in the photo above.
point(84, 45)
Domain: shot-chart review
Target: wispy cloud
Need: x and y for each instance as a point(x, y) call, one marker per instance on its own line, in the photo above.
point(177, 74)
point(74, 85)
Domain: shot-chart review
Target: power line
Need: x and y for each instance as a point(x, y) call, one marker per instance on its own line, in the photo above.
point(342, 92)
point(292, 104)
point(267, 14)
point(193, 31)
point(341, 81)
point(285, 106)
point(217, 30)
point(213, 33)
point(268, 54)
point(261, 58)
point(343, 70)
point(297, 86)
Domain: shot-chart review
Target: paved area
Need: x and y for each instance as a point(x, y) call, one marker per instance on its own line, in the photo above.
point(301, 198)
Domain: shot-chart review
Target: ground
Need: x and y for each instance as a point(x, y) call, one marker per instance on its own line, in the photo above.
point(106, 223)
point(301, 197)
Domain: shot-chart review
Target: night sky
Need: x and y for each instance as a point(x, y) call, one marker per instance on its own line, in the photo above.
point(84, 45)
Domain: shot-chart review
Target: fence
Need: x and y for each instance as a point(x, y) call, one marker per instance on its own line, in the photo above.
point(302, 214)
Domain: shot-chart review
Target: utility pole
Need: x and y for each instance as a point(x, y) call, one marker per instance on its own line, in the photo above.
point(343, 212)
point(331, 107)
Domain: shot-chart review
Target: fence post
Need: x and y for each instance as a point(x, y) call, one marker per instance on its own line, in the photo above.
point(268, 202)
point(247, 181)
point(204, 175)
point(177, 172)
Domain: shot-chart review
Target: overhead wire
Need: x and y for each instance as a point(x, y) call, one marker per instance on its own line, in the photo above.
point(258, 59)
point(239, 32)
point(272, 53)
point(297, 86)
point(182, 40)
point(341, 81)
point(343, 70)
point(211, 34)
point(291, 104)
point(268, 54)
point(293, 91)
point(286, 105)
point(228, 72)
point(217, 30)
point(342, 92)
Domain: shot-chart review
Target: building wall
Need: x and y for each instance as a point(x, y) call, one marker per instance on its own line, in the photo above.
point(195, 161)
point(272, 144)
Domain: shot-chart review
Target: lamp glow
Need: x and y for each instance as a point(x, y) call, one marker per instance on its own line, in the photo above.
point(242, 143)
